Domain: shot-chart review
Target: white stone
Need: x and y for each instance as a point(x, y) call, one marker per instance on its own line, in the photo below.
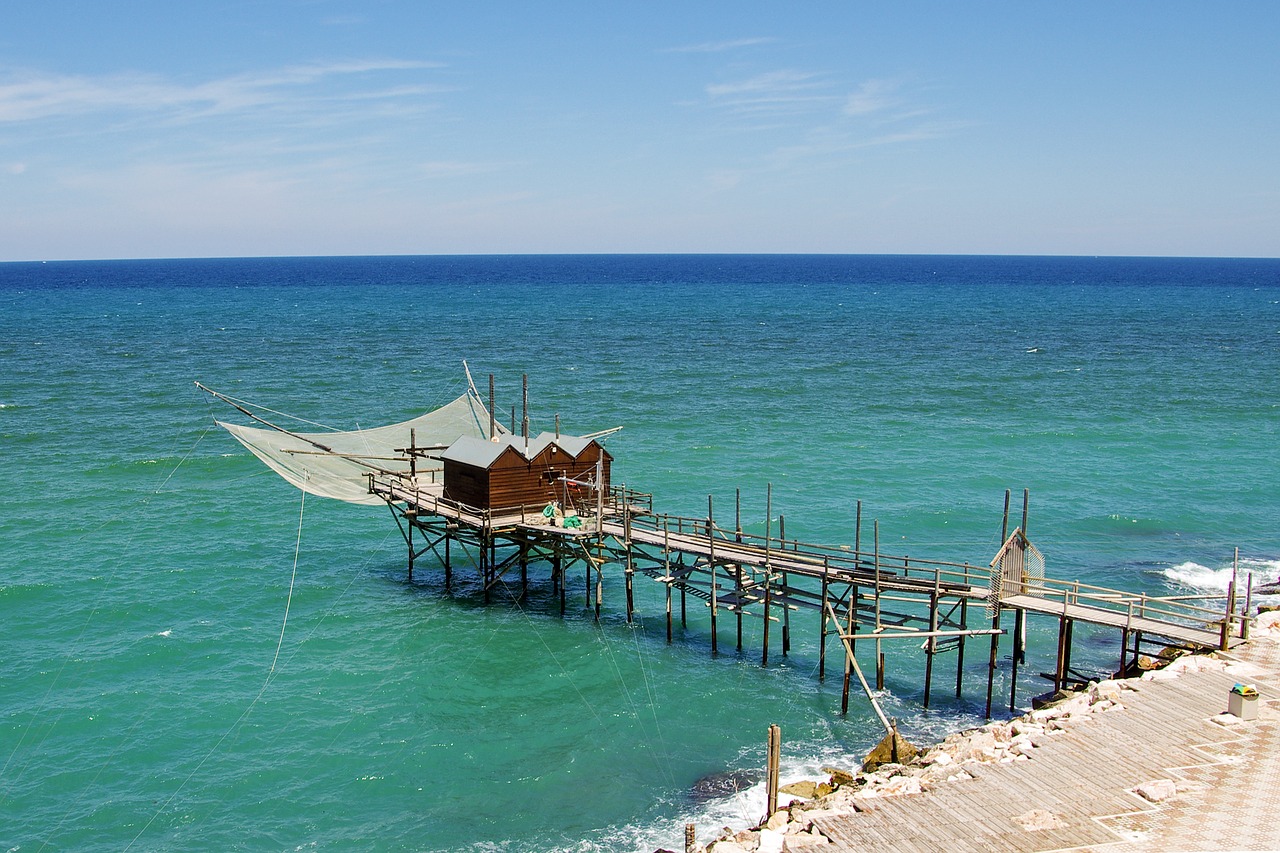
point(804, 841)
point(1104, 691)
point(778, 820)
point(770, 841)
point(1157, 790)
point(727, 847)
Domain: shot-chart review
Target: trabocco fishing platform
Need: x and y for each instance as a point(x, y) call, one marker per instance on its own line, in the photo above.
point(483, 497)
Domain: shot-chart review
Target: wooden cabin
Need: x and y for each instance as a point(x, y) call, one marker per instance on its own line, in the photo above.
point(511, 472)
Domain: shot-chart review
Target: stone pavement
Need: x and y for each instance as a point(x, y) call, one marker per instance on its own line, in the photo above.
point(1078, 790)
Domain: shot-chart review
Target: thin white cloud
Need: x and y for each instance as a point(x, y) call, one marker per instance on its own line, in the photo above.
point(873, 96)
point(720, 46)
point(769, 84)
point(458, 168)
point(33, 96)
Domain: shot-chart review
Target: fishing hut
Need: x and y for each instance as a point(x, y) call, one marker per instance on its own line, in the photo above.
point(470, 492)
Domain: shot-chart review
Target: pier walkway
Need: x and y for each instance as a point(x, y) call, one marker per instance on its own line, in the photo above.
point(1228, 779)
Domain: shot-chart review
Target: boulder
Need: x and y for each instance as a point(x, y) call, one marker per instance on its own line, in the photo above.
point(717, 785)
point(893, 749)
point(804, 841)
point(1157, 790)
point(1105, 690)
point(770, 841)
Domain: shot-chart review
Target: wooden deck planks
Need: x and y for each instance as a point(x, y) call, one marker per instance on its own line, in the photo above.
point(1084, 775)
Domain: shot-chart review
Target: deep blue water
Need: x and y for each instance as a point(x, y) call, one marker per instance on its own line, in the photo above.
point(147, 558)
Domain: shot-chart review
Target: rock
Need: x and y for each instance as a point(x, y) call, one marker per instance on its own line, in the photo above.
point(838, 776)
point(804, 841)
point(1038, 819)
point(892, 749)
point(770, 841)
point(717, 785)
point(1157, 790)
point(1104, 691)
point(723, 846)
point(938, 758)
point(807, 789)
point(777, 821)
point(896, 787)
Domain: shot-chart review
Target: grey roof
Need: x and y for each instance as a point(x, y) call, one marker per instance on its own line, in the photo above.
point(479, 453)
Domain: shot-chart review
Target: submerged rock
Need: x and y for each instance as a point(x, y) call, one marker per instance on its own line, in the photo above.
point(714, 786)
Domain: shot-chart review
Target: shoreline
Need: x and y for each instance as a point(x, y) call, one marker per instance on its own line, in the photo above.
point(817, 822)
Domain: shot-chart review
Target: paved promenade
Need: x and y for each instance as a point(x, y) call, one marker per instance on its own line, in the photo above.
point(1079, 785)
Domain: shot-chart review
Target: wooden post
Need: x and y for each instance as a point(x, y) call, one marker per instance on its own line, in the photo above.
point(1020, 623)
point(768, 520)
point(772, 764)
point(493, 426)
point(666, 565)
point(408, 538)
point(931, 643)
point(1026, 503)
point(1061, 662)
point(857, 535)
point(557, 566)
point(1124, 653)
point(995, 653)
point(1004, 526)
point(737, 575)
point(711, 557)
point(714, 648)
point(786, 606)
point(524, 419)
point(448, 563)
point(690, 838)
point(524, 569)
point(630, 569)
point(879, 645)
point(964, 623)
point(822, 635)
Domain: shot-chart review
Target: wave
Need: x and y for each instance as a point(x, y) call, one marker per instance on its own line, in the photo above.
point(1206, 579)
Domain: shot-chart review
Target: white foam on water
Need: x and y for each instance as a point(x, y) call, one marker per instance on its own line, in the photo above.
point(1205, 579)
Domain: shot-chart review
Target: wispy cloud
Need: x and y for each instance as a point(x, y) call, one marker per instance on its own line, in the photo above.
point(720, 46)
point(873, 96)
point(32, 96)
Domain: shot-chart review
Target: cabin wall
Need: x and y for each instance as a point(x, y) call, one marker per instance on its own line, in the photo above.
point(466, 484)
point(512, 481)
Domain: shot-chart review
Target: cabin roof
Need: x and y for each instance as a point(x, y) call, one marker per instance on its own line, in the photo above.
point(479, 453)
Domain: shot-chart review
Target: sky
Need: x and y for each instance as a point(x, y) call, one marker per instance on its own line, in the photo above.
point(319, 127)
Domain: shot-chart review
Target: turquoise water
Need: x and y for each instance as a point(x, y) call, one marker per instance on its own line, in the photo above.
point(148, 559)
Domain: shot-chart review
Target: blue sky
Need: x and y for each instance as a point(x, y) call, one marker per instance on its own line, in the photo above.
point(194, 129)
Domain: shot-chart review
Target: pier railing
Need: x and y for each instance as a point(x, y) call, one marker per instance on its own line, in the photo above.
point(1169, 609)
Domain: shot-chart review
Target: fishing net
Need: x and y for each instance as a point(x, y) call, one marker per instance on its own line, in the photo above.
point(337, 464)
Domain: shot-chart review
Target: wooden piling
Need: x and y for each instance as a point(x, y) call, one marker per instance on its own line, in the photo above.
point(879, 626)
point(768, 572)
point(964, 623)
point(822, 634)
point(932, 642)
point(772, 765)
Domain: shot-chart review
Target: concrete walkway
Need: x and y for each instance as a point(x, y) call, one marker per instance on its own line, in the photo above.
point(1080, 782)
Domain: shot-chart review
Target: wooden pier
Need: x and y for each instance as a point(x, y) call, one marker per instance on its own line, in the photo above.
point(855, 595)
point(494, 501)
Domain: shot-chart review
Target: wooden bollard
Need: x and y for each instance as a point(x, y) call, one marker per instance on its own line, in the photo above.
point(690, 838)
point(771, 772)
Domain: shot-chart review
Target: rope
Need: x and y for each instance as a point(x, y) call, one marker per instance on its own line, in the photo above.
point(289, 602)
point(243, 716)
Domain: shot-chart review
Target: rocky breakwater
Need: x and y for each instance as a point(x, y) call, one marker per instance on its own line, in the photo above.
point(961, 756)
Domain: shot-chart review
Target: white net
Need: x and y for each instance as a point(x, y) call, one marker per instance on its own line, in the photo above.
point(337, 464)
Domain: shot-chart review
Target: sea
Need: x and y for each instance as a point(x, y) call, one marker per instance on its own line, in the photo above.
point(196, 657)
